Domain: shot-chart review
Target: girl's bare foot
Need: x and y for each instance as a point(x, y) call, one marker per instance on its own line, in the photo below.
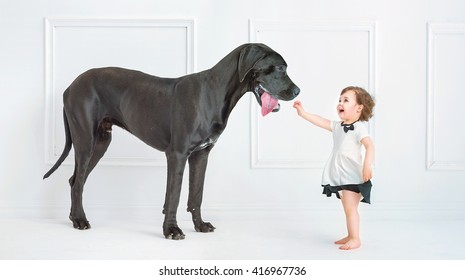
point(342, 241)
point(351, 244)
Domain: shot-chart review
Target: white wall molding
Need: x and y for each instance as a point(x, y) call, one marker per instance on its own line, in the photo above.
point(306, 28)
point(53, 94)
point(445, 60)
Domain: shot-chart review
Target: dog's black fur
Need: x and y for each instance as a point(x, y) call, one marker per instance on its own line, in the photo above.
point(182, 117)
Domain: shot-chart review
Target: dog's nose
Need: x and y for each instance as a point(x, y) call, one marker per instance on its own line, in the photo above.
point(295, 91)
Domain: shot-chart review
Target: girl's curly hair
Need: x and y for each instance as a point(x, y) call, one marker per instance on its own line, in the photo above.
point(363, 98)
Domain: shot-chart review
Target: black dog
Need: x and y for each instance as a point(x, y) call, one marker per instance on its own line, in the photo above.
point(182, 117)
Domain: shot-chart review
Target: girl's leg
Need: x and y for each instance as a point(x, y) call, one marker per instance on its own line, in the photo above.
point(350, 202)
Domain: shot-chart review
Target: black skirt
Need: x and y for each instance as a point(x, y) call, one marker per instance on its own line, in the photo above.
point(364, 189)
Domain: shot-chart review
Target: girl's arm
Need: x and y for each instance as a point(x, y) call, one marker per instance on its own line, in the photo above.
point(314, 119)
point(367, 172)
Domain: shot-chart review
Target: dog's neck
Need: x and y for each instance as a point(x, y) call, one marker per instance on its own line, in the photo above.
point(228, 87)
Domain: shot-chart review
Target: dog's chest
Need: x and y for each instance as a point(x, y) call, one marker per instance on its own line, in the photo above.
point(215, 133)
point(207, 143)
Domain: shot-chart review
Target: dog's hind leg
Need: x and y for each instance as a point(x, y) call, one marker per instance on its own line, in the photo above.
point(90, 145)
point(101, 144)
point(197, 168)
point(100, 147)
point(77, 214)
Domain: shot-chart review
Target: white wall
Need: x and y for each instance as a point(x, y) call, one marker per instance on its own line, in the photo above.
point(409, 54)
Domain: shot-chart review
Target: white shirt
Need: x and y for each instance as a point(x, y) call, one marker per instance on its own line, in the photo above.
point(345, 164)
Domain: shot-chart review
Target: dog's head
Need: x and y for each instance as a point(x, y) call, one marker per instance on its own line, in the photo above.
point(265, 71)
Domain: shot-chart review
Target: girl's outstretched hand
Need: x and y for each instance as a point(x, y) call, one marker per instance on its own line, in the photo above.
point(298, 106)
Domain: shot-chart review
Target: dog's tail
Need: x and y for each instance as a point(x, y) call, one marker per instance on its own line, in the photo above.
point(66, 150)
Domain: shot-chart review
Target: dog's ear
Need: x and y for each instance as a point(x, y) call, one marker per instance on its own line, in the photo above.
point(248, 57)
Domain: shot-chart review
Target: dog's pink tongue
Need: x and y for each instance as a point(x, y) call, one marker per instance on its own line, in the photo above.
point(268, 103)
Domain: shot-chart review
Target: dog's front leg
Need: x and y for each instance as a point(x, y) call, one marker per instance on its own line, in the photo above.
point(176, 165)
point(197, 167)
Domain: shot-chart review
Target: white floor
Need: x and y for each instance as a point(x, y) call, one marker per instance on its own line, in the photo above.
point(240, 235)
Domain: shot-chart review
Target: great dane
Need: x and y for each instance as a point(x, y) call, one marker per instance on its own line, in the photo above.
point(182, 117)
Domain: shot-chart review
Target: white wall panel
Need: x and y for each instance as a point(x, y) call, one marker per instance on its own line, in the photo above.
point(162, 47)
point(446, 68)
point(323, 58)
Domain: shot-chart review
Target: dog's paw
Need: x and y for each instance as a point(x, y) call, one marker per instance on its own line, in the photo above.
point(204, 227)
point(80, 223)
point(174, 233)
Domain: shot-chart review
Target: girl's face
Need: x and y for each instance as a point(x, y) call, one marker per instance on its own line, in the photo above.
point(347, 108)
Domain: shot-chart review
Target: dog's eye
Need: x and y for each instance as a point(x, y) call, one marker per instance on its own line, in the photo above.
point(281, 68)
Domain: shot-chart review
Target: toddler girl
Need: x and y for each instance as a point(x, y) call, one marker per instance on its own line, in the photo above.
point(347, 173)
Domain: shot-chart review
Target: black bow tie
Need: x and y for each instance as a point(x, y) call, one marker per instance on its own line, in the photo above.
point(347, 127)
